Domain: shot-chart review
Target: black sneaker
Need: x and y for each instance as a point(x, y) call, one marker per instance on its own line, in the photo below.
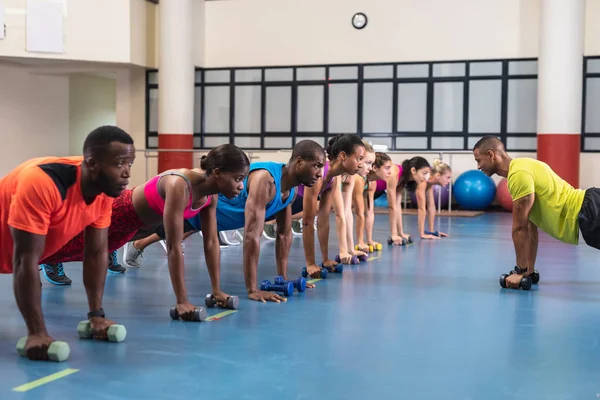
point(113, 264)
point(55, 274)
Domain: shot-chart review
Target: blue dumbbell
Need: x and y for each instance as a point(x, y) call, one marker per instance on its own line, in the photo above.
point(353, 260)
point(324, 272)
point(434, 233)
point(338, 268)
point(299, 283)
point(286, 288)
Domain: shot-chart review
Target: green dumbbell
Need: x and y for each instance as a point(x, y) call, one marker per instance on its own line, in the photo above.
point(115, 333)
point(57, 351)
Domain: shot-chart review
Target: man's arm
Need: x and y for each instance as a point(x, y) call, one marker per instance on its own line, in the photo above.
point(95, 265)
point(28, 249)
point(283, 240)
point(521, 232)
point(309, 212)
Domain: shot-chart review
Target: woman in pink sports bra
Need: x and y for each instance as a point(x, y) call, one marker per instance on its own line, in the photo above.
point(364, 194)
point(408, 175)
point(167, 199)
point(345, 153)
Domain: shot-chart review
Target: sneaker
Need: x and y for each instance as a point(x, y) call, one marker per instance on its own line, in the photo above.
point(269, 232)
point(55, 274)
point(113, 264)
point(297, 227)
point(133, 257)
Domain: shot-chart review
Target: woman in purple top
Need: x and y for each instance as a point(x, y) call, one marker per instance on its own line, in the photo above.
point(345, 153)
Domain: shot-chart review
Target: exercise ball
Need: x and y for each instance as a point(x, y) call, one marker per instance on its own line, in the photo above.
point(474, 190)
point(436, 191)
point(503, 196)
point(381, 201)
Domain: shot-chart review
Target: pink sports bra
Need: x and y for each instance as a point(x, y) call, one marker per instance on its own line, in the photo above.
point(157, 203)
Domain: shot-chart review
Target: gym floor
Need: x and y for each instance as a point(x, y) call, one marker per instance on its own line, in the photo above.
point(426, 321)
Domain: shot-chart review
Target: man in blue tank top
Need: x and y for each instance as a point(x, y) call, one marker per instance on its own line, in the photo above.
point(269, 191)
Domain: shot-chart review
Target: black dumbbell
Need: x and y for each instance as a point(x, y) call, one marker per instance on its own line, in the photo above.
point(525, 283)
point(404, 241)
point(535, 275)
point(232, 301)
point(199, 314)
point(299, 283)
point(286, 288)
point(324, 273)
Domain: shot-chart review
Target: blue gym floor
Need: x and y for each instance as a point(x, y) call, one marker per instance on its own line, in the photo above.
point(427, 321)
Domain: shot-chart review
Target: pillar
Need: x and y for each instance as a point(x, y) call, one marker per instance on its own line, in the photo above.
point(175, 84)
point(560, 78)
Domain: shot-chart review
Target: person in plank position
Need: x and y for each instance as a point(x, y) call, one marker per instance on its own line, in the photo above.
point(541, 199)
point(167, 199)
point(44, 202)
point(269, 192)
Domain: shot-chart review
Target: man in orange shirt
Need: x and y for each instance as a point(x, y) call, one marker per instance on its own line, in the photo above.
point(44, 203)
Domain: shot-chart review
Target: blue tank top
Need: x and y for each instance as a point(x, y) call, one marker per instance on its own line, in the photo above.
point(231, 212)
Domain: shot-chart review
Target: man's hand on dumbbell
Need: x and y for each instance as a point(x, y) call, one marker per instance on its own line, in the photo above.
point(221, 298)
point(36, 346)
point(329, 264)
point(264, 296)
point(99, 327)
point(186, 311)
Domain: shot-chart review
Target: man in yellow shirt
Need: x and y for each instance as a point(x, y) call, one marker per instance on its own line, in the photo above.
point(541, 199)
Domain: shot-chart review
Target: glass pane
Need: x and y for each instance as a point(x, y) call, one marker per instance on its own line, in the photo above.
point(343, 100)
point(318, 139)
point(522, 68)
point(455, 143)
point(522, 106)
point(197, 109)
point(216, 109)
point(378, 71)
point(153, 142)
point(214, 141)
point(247, 109)
point(248, 75)
point(343, 73)
point(412, 107)
point(593, 66)
point(379, 141)
point(153, 110)
point(448, 106)
point(279, 109)
point(278, 142)
point(279, 74)
point(198, 76)
point(310, 108)
point(377, 107)
point(591, 144)
point(592, 104)
point(412, 71)
point(217, 76)
point(247, 142)
point(521, 143)
point(485, 68)
point(197, 144)
point(310, 74)
point(411, 143)
point(485, 104)
point(153, 78)
point(472, 141)
point(449, 69)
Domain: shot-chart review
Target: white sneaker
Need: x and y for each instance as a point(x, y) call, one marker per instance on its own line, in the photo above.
point(132, 256)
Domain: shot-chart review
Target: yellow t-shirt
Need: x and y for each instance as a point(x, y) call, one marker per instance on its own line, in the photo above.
point(557, 203)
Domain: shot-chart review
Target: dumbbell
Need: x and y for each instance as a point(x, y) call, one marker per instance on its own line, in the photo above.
point(299, 283)
point(404, 241)
point(199, 314)
point(379, 247)
point(371, 249)
point(353, 261)
point(286, 288)
point(324, 272)
point(232, 301)
point(338, 268)
point(115, 333)
point(535, 276)
point(434, 233)
point(525, 283)
point(57, 351)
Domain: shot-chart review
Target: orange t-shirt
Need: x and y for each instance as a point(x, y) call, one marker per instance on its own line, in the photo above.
point(43, 196)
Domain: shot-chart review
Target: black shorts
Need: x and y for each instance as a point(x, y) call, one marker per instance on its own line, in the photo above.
point(378, 194)
point(160, 230)
point(589, 218)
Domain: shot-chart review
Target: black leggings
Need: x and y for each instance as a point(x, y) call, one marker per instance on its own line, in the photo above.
point(589, 218)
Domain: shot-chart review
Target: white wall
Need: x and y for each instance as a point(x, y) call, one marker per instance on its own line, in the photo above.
point(92, 103)
point(34, 116)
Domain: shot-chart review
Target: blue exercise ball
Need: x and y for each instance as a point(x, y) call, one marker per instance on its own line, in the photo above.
point(474, 190)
